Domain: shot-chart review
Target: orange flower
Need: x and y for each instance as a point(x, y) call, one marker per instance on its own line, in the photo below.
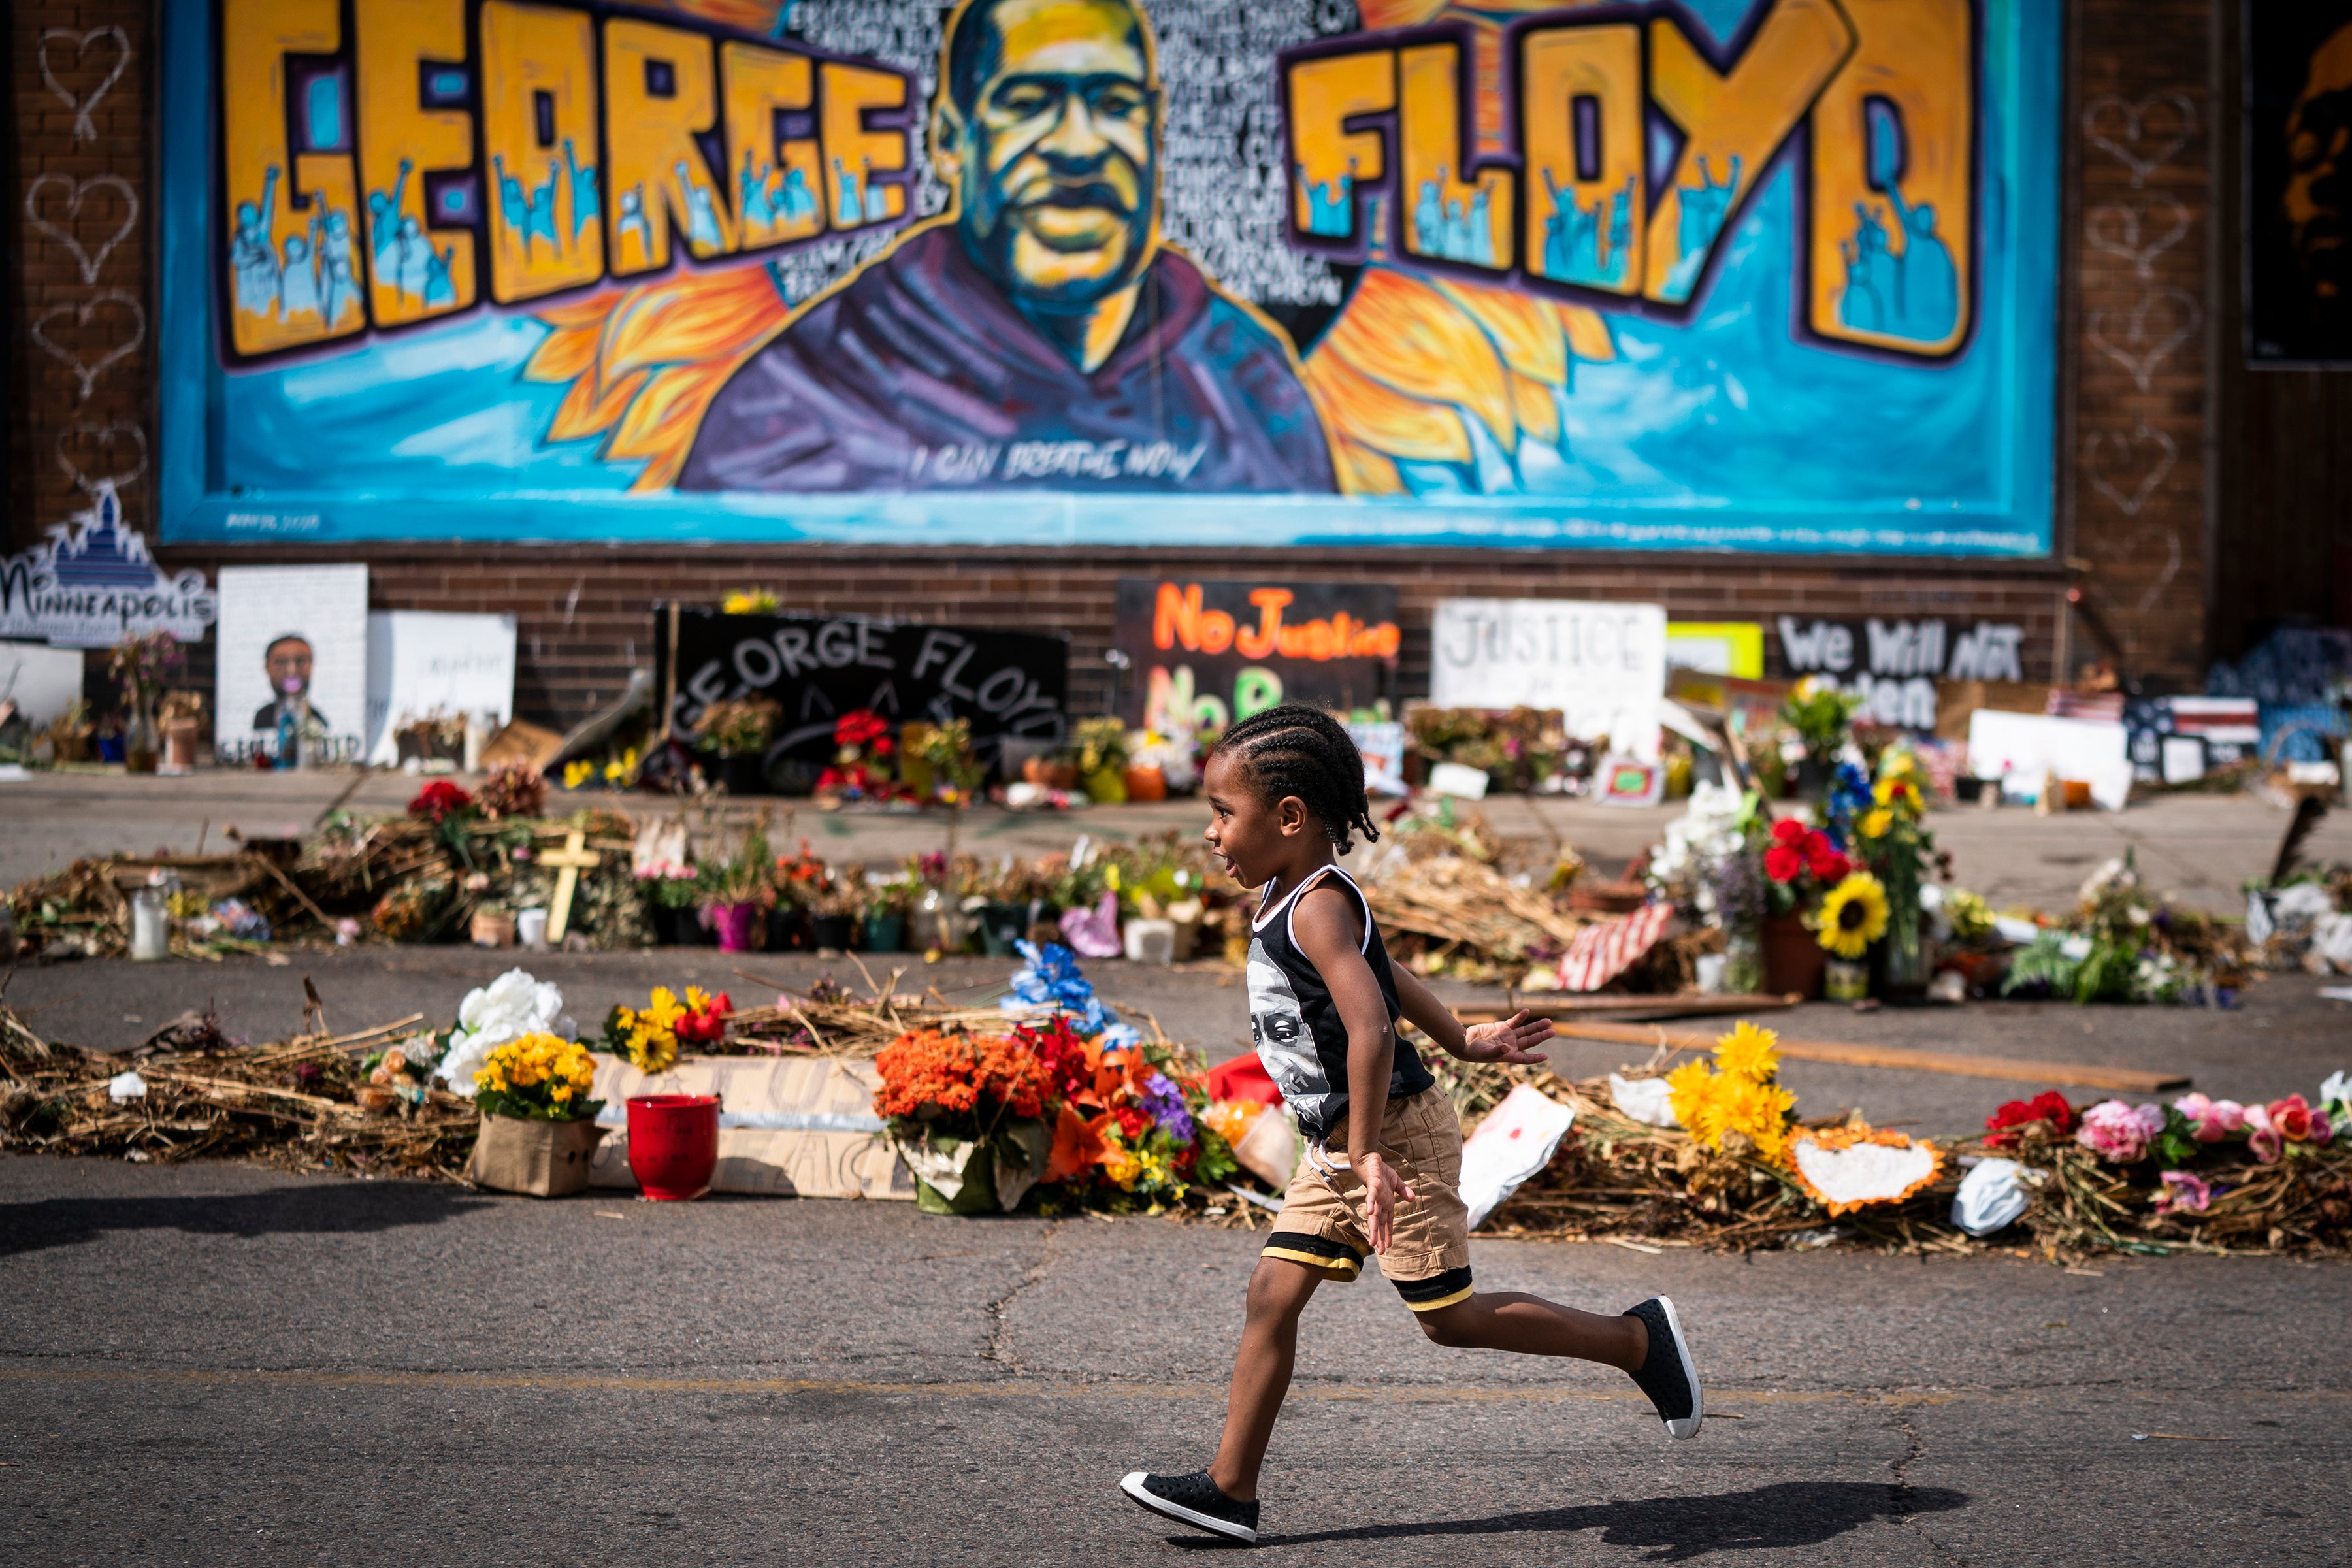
point(1078, 1143)
point(924, 1068)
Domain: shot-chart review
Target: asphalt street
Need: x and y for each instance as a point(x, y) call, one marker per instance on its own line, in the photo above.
point(217, 1364)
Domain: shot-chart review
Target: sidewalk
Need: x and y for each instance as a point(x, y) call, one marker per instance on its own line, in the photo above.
point(2202, 848)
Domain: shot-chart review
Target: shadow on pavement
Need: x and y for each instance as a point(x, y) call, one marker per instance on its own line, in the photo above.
point(1788, 1514)
point(325, 1209)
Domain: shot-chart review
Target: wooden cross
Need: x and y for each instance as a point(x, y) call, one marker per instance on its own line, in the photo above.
point(574, 858)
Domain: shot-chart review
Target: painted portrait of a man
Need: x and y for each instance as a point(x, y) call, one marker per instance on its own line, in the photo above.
point(2299, 206)
point(1038, 334)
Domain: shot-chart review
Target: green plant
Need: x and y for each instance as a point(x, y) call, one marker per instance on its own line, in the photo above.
point(739, 727)
point(1101, 744)
point(1823, 717)
point(956, 772)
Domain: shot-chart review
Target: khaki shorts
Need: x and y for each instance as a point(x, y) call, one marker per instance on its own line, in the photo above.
point(1322, 1220)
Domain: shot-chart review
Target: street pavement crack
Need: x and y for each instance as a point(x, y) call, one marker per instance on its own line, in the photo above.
point(1000, 1311)
point(1905, 1511)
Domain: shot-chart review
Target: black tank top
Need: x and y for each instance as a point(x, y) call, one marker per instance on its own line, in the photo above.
point(1297, 1028)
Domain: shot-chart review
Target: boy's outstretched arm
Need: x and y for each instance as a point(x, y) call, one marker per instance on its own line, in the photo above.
point(1514, 1039)
point(1330, 934)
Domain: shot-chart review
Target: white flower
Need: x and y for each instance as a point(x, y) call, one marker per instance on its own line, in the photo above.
point(124, 1087)
point(2337, 1090)
point(507, 1008)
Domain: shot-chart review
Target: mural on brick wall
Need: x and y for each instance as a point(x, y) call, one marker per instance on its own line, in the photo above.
point(1761, 274)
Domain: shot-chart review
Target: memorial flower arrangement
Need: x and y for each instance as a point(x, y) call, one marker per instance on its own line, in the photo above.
point(749, 602)
point(650, 1035)
point(1800, 865)
point(539, 1077)
point(1736, 1106)
point(1853, 915)
point(863, 765)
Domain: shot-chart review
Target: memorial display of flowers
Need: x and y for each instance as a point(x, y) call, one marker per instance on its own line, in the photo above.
point(864, 765)
point(1853, 915)
point(1736, 1105)
point(539, 1077)
point(1068, 1099)
point(650, 1036)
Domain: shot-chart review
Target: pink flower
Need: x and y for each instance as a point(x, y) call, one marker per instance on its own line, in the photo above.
point(2262, 1137)
point(2183, 1194)
point(2211, 1120)
point(2119, 1133)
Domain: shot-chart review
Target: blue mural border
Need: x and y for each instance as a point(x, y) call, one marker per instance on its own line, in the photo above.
point(2020, 44)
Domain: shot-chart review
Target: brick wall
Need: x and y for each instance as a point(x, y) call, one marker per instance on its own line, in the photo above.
point(81, 369)
point(586, 614)
point(2140, 327)
point(2138, 309)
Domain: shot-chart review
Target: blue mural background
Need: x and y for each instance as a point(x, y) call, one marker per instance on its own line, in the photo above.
point(1728, 430)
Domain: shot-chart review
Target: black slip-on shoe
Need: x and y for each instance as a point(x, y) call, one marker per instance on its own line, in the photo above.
point(1667, 1376)
point(1193, 1499)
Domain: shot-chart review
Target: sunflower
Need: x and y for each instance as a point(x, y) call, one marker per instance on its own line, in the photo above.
point(1748, 1051)
point(1853, 915)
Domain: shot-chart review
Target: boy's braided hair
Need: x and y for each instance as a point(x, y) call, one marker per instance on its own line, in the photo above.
point(1303, 751)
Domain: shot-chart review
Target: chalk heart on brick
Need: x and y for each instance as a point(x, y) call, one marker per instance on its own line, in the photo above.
point(90, 337)
point(2115, 230)
point(2125, 466)
point(92, 453)
point(2142, 134)
point(80, 80)
point(2145, 336)
point(76, 193)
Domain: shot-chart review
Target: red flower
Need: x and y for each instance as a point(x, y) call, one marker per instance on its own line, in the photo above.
point(1132, 1122)
point(2049, 1106)
point(2291, 1118)
point(859, 727)
point(1783, 864)
point(1827, 865)
point(439, 801)
point(1789, 831)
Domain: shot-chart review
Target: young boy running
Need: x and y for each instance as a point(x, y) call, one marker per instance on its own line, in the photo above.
point(1286, 790)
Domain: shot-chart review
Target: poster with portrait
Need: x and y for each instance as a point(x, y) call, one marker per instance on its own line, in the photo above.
point(293, 653)
point(2298, 204)
point(1763, 275)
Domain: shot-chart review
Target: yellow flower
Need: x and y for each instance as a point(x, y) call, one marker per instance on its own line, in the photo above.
point(1748, 1051)
point(1853, 915)
point(1761, 1111)
point(1694, 1092)
point(1876, 824)
point(576, 773)
point(1120, 1165)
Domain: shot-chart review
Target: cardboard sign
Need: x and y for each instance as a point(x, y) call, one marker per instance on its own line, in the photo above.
point(424, 663)
point(1011, 685)
point(1204, 654)
point(292, 635)
point(1603, 666)
point(1894, 665)
point(43, 682)
point(92, 585)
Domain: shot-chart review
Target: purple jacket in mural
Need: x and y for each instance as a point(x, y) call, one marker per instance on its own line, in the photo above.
point(919, 375)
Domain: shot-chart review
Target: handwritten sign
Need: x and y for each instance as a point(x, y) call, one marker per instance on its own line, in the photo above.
point(1603, 666)
point(1204, 654)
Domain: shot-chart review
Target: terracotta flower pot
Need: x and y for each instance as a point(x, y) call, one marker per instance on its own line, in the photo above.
point(1147, 783)
point(1794, 958)
point(1051, 776)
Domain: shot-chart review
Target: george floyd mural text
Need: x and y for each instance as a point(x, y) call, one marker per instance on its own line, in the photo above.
point(1757, 274)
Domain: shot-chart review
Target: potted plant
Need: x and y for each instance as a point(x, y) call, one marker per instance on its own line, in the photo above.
point(676, 901)
point(833, 913)
point(1056, 769)
point(1102, 758)
point(1889, 834)
point(968, 1115)
point(737, 731)
point(886, 907)
point(539, 1130)
point(954, 770)
point(737, 890)
point(1822, 718)
point(1800, 866)
point(863, 758)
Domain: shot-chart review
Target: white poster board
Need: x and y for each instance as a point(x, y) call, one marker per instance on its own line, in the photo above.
point(43, 682)
point(422, 663)
point(306, 626)
point(2092, 751)
point(1603, 666)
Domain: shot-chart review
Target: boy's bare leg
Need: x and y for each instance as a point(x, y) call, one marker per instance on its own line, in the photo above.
point(1279, 1291)
point(1510, 1320)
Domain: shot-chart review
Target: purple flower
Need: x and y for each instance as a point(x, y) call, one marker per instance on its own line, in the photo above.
point(2183, 1194)
point(1165, 1104)
point(2119, 1133)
